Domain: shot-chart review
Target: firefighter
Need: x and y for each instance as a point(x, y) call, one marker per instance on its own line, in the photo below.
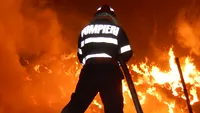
point(100, 44)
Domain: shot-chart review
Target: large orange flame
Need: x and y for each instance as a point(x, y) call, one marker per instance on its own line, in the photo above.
point(151, 83)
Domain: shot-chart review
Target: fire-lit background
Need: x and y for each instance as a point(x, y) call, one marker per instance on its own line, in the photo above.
point(39, 68)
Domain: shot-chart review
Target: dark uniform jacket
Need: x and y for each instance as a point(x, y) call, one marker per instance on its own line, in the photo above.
point(103, 39)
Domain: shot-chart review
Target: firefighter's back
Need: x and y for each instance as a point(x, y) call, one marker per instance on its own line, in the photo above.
point(99, 41)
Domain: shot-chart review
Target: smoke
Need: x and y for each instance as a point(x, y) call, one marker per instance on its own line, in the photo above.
point(11, 72)
point(188, 25)
point(31, 33)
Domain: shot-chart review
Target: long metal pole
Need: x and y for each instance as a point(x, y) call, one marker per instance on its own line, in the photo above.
point(131, 86)
point(184, 86)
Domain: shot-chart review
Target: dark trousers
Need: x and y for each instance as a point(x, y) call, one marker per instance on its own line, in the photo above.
point(103, 78)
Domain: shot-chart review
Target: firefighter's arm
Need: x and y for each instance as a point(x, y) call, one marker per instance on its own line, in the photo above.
point(79, 51)
point(124, 47)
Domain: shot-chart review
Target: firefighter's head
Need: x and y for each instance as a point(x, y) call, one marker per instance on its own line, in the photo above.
point(106, 11)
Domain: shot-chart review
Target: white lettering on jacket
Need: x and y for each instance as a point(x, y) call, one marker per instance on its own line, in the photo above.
point(100, 28)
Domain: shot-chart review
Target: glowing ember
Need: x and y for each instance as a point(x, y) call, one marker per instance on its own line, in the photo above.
point(37, 68)
point(98, 104)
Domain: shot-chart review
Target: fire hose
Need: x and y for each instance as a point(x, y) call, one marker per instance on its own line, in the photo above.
point(131, 86)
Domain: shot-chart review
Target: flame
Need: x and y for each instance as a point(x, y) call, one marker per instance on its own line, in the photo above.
point(153, 75)
point(164, 87)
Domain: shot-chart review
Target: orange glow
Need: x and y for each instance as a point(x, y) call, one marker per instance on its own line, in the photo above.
point(39, 68)
point(151, 76)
